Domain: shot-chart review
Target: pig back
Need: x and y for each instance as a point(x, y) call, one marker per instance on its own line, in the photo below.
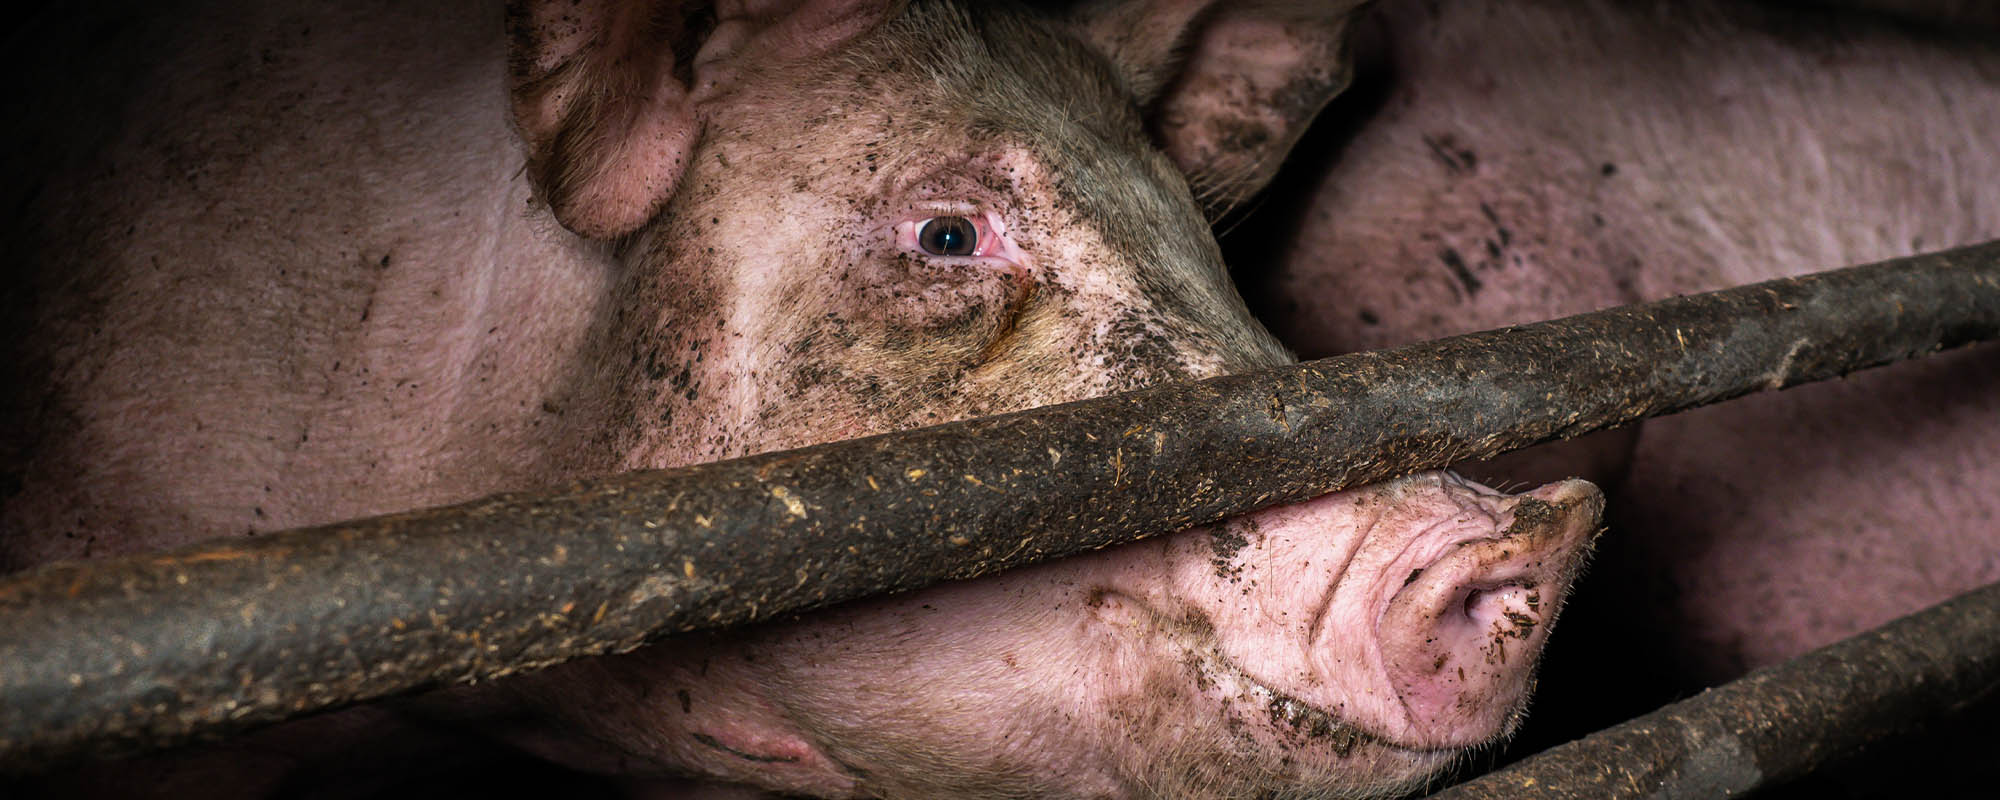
point(1530, 160)
point(276, 266)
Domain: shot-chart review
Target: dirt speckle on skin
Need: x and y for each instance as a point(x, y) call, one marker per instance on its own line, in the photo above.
point(1531, 514)
point(1196, 624)
point(1197, 669)
point(1456, 263)
point(1139, 353)
point(1227, 540)
point(1288, 714)
point(1456, 158)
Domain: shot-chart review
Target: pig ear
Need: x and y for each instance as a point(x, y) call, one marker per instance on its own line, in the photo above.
point(1231, 85)
point(608, 95)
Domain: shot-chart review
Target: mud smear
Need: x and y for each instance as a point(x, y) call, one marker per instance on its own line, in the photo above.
point(1456, 263)
point(1227, 540)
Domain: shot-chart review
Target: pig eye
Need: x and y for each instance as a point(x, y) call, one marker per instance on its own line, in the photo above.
point(948, 236)
point(954, 233)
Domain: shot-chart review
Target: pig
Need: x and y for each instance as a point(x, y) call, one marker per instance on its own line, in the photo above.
point(1506, 162)
point(292, 264)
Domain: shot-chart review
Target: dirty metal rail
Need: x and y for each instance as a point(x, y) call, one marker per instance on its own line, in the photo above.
point(1779, 723)
point(146, 651)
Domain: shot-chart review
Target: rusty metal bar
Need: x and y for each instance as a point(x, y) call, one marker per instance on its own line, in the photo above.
point(147, 651)
point(1779, 723)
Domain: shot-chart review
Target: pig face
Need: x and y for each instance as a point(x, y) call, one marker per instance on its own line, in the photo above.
point(955, 212)
point(805, 248)
point(791, 289)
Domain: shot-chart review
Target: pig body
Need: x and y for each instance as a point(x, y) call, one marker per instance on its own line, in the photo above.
point(294, 264)
point(1522, 161)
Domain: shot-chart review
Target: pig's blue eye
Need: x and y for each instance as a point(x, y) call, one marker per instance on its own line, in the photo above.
point(948, 236)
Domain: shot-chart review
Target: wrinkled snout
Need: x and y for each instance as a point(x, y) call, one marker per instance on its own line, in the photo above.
point(1461, 636)
point(1412, 612)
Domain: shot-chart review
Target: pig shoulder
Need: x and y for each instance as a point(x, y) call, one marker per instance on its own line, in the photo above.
point(282, 268)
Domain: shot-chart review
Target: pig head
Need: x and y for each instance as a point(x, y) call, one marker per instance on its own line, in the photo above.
point(958, 213)
point(780, 224)
point(781, 188)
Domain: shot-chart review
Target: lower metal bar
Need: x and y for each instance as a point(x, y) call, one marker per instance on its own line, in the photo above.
point(1779, 723)
point(147, 651)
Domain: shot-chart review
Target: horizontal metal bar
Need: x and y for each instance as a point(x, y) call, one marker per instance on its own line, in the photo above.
point(1779, 723)
point(146, 651)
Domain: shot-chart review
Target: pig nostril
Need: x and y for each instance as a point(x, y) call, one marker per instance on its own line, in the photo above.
point(1512, 602)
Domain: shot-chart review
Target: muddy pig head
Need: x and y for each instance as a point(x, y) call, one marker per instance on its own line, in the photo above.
point(838, 219)
point(841, 218)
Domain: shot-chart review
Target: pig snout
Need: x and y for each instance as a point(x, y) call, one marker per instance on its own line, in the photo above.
point(1460, 637)
point(1353, 643)
point(1411, 613)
